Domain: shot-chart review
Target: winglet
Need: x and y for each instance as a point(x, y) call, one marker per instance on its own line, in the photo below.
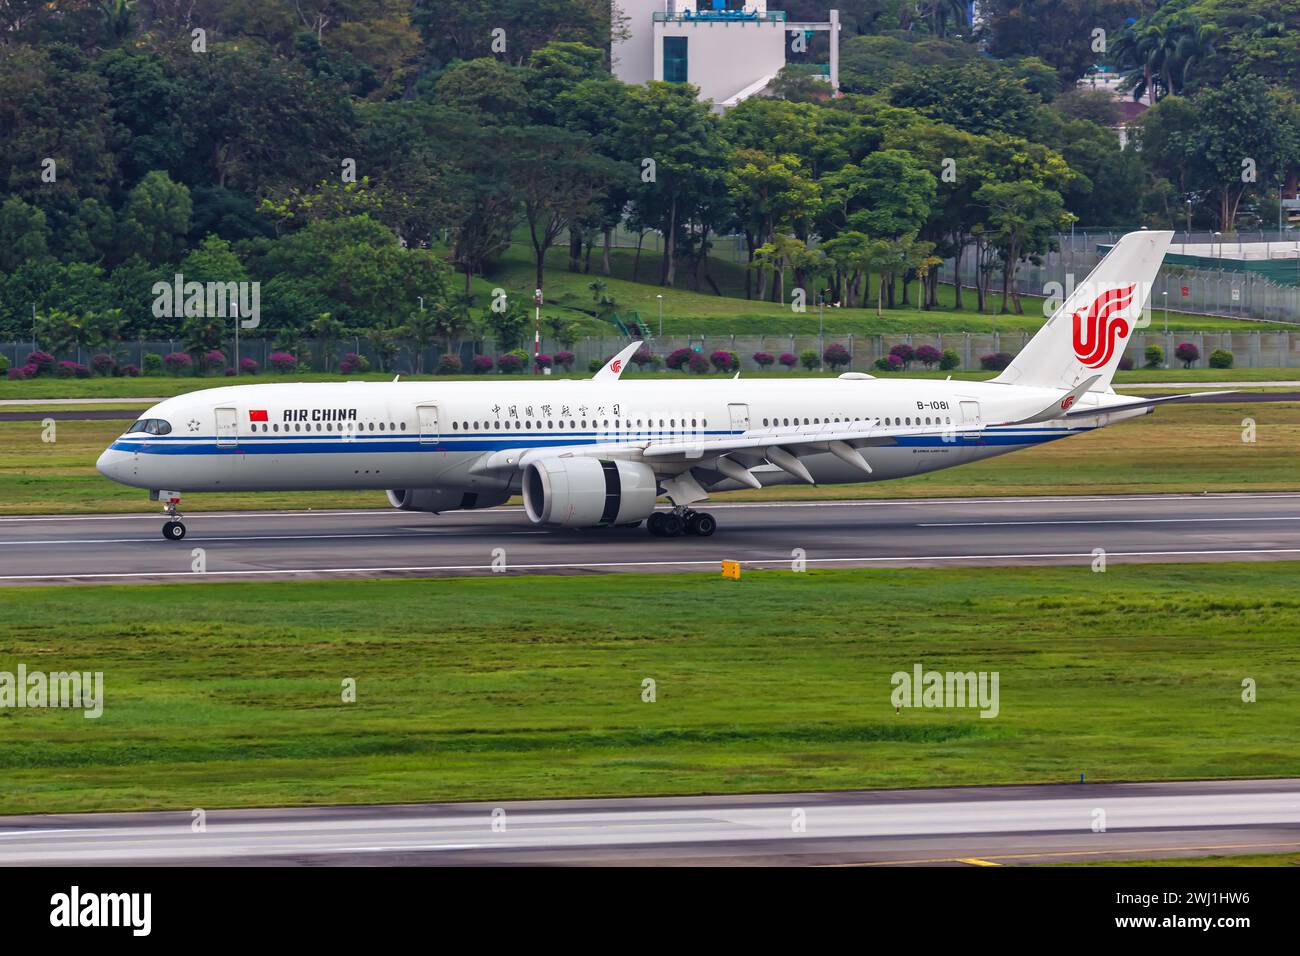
point(1059, 407)
point(615, 366)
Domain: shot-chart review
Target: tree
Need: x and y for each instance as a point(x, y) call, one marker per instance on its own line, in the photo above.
point(156, 219)
point(144, 99)
point(53, 106)
point(871, 64)
point(941, 16)
point(1161, 55)
point(507, 325)
point(61, 331)
point(559, 178)
point(1246, 136)
point(556, 69)
point(979, 97)
point(495, 92)
point(886, 195)
point(1023, 221)
point(258, 123)
point(327, 330)
point(769, 193)
point(666, 125)
point(464, 29)
point(24, 234)
point(848, 256)
point(420, 331)
point(354, 268)
point(1059, 33)
point(780, 254)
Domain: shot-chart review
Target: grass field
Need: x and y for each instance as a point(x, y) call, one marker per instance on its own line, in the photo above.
point(1187, 448)
point(35, 390)
point(1245, 859)
point(690, 312)
point(505, 687)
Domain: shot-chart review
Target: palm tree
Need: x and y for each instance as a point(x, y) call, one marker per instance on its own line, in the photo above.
point(938, 13)
point(1194, 45)
point(1147, 52)
point(1162, 58)
point(118, 18)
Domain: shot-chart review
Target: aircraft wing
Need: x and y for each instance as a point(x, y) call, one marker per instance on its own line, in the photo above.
point(734, 455)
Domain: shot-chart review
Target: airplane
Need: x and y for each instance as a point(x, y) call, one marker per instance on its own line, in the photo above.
point(601, 452)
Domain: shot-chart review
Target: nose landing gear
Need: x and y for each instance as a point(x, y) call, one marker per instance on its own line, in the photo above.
point(174, 529)
point(679, 521)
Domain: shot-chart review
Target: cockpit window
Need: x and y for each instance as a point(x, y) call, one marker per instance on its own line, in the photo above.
point(150, 426)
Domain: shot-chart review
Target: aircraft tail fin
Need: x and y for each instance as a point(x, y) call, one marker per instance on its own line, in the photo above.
point(1086, 336)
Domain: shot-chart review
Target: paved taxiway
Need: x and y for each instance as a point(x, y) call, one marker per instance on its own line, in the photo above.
point(976, 531)
point(972, 826)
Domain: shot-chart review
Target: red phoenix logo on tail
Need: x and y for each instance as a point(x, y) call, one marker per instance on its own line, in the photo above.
point(1096, 334)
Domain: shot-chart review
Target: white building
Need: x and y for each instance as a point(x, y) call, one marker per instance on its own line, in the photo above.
point(729, 49)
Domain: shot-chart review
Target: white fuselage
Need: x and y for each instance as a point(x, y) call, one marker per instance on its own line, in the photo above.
point(431, 434)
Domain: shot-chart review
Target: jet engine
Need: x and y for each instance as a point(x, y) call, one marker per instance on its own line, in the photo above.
point(588, 492)
point(445, 499)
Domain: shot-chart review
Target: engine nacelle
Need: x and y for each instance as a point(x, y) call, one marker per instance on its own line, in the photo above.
point(445, 499)
point(588, 492)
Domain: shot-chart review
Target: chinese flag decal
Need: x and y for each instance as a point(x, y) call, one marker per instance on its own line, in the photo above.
point(257, 414)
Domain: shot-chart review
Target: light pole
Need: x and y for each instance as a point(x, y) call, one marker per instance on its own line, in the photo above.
point(660, 297)
point(821, 328)
point(1166, 295)
point(1218, 281)
point(537, 329)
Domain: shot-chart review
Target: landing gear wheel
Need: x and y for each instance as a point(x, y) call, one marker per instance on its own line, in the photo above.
point(702, 524)
point(655, 524)
point(672, 526)
point(173, 530)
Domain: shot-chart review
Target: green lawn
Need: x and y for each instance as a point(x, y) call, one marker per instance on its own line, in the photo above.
point(1244, 859)
point(691, 312)
point(35, 390)
point(512, 687)
point(1181, 448)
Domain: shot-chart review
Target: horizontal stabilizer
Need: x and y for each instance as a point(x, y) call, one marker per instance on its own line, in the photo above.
point(1143, 403)
point(1061, 406)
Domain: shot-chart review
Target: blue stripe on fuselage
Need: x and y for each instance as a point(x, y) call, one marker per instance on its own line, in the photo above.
point(324, 444)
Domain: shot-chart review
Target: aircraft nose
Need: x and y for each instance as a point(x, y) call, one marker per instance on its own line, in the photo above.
point(109, 463)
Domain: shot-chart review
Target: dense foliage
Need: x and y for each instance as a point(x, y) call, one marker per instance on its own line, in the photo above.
point(353, 156)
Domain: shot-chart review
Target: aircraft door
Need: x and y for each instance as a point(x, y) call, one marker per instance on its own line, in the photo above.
point(428, 415)
point(970, 413)
point(227, 428)
point(739, 417)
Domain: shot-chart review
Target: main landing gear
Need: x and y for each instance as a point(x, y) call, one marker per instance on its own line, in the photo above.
point(679, 521)
point(174, 529)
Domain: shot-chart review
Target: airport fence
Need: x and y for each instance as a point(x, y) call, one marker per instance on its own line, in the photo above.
point(1222, 292)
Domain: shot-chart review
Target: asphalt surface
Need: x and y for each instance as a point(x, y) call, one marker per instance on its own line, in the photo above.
point(381, 543)
point(967, 826)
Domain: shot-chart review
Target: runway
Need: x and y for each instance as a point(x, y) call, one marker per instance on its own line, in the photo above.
point(980, 826)
point(825, 534)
